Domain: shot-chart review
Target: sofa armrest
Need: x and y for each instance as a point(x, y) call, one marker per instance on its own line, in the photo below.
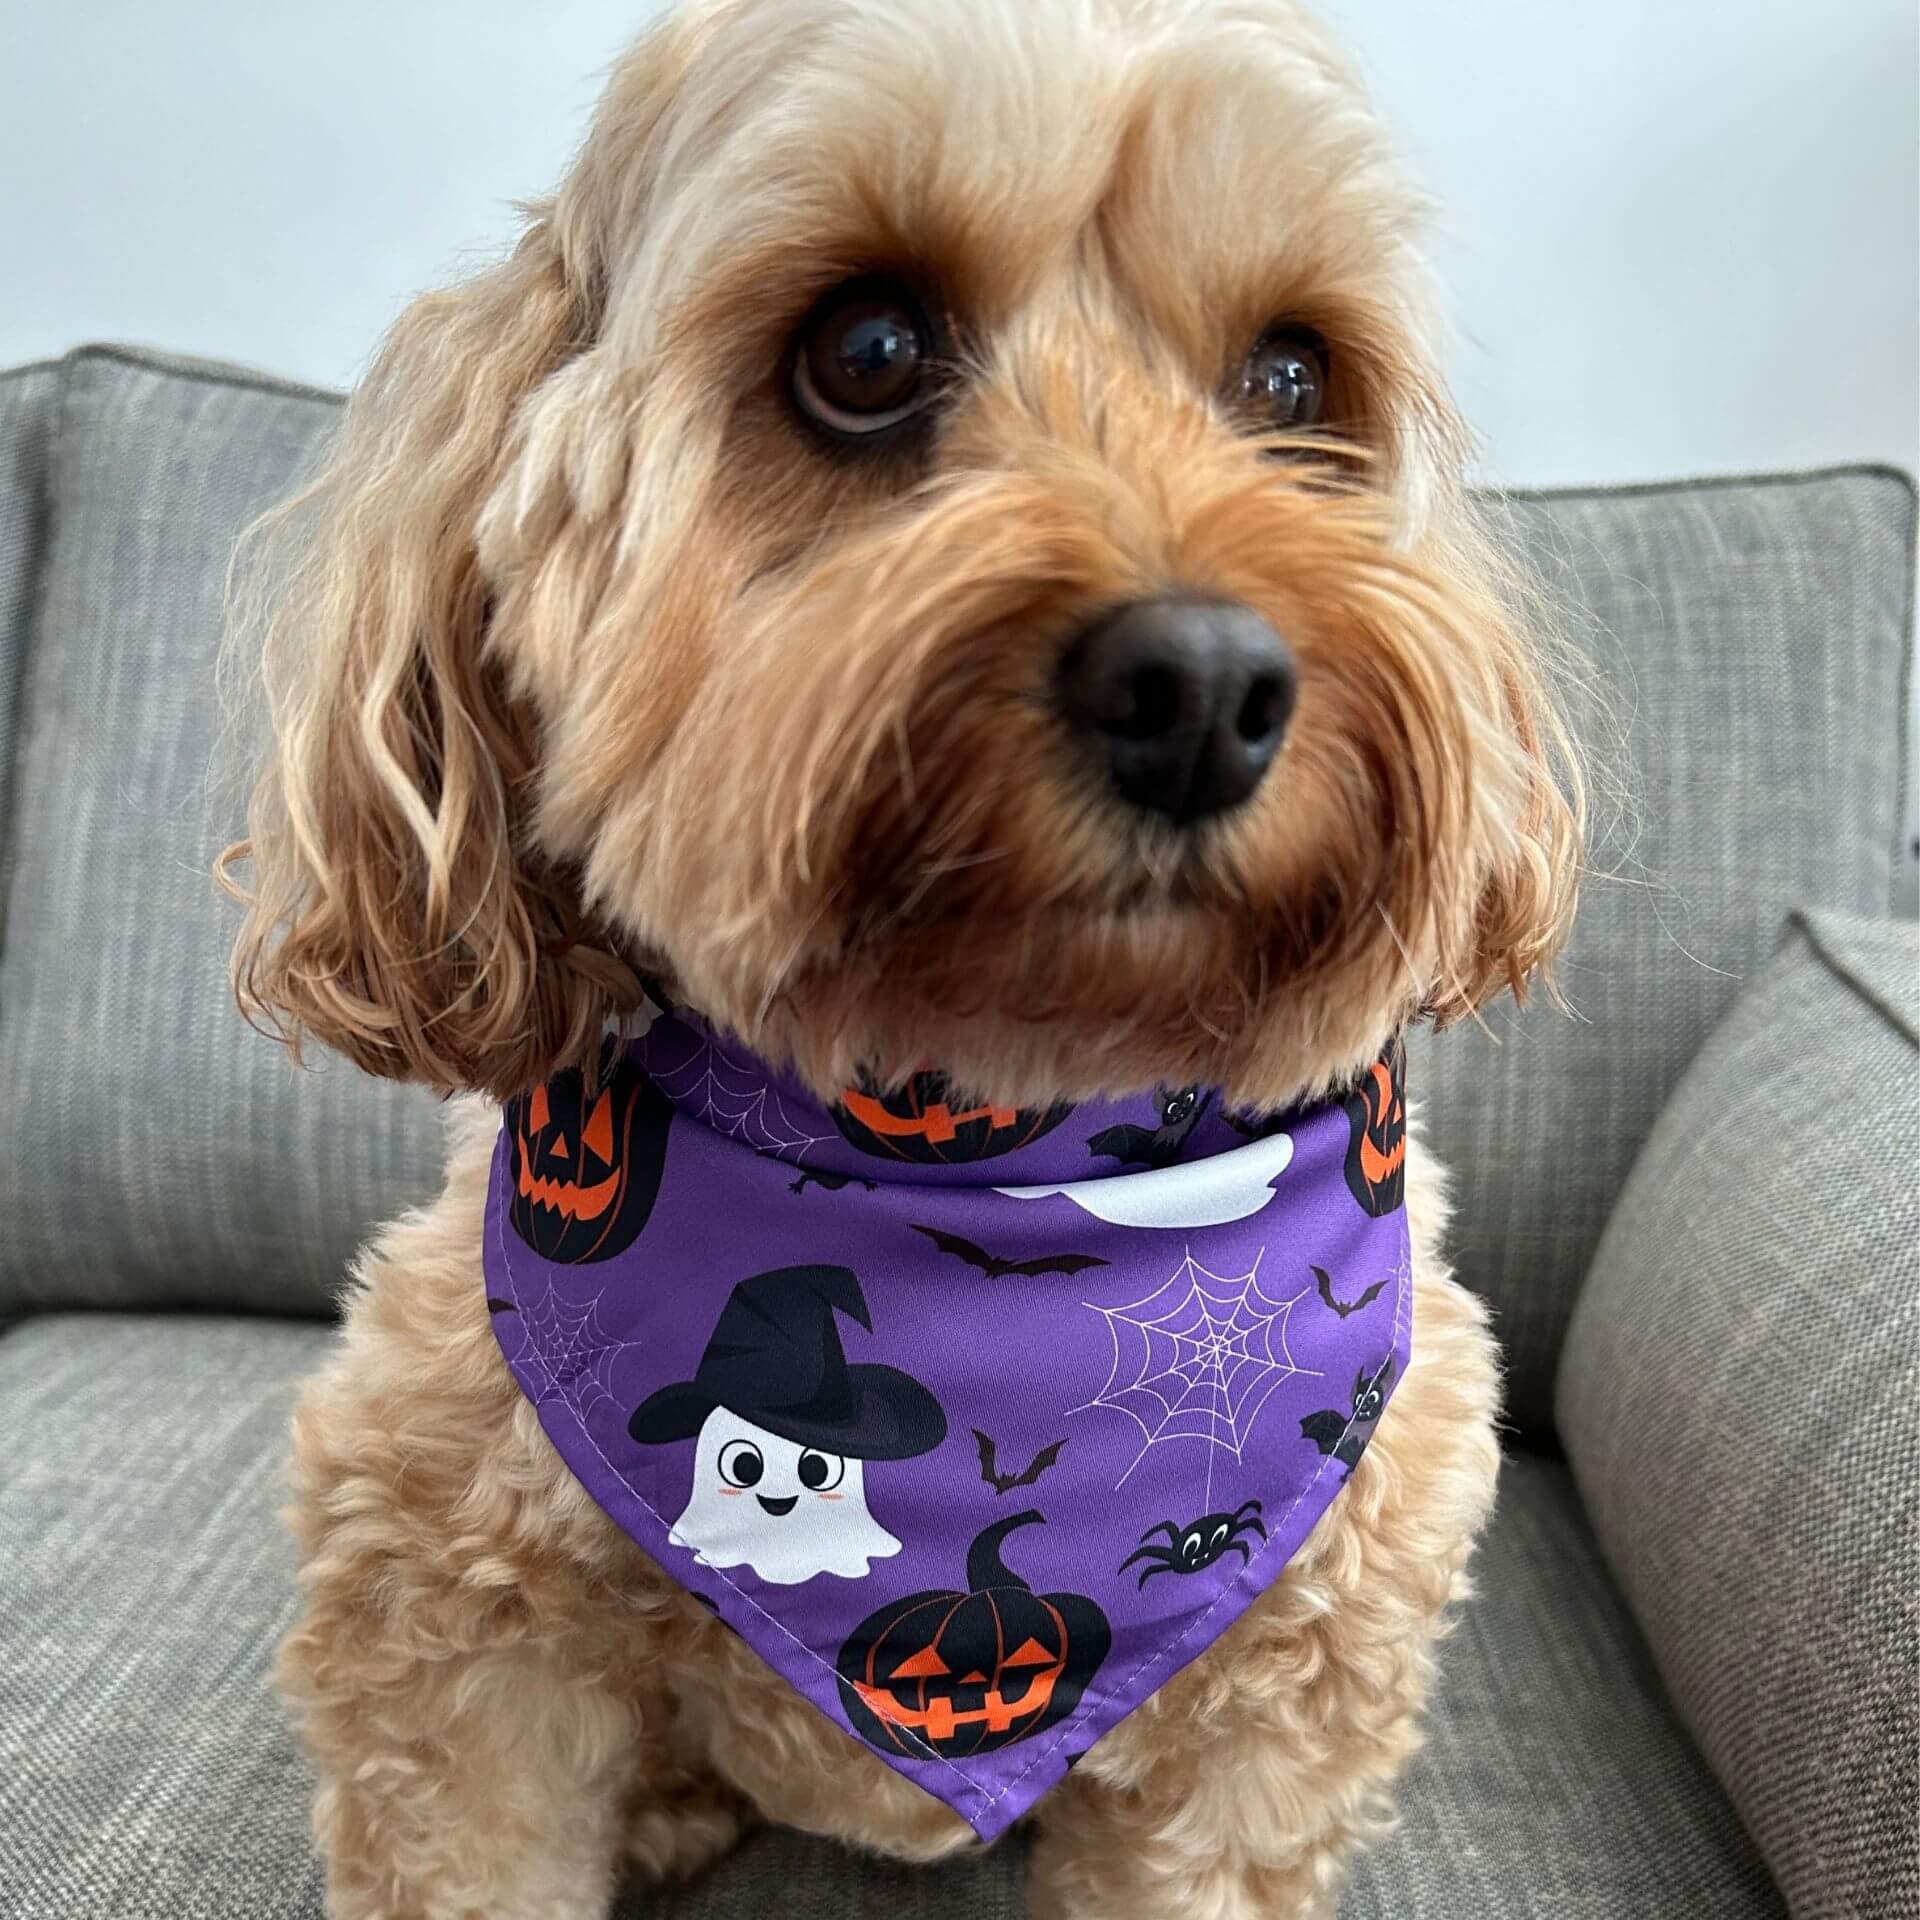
point(1740, 1401)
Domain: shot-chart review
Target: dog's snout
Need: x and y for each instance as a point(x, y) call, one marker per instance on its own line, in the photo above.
point(1184, 700)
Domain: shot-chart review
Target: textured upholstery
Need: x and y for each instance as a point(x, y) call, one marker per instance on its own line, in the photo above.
point(1753, 637)
point(1741, 1405)
point(146, 1772)
point(155, 1150)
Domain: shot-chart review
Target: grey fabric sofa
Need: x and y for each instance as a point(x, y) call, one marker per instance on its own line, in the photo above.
point(1688, 1686)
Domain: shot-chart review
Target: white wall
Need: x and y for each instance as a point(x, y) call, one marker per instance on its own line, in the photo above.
point(1682, 234)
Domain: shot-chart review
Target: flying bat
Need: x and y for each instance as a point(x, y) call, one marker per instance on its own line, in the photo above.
point(996, 1269)
point(1345, 1435)
point(1006, 1482)
point(1344, 1307)
point(1154, 1146)
point(832, 1182)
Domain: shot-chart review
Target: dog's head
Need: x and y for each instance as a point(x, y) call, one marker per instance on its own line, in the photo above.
point(945, 540)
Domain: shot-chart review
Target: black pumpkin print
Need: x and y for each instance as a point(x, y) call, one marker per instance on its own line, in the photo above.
point(962, 1673)
point(586, 1167)
point(1377, 1134)
point(922, 1123)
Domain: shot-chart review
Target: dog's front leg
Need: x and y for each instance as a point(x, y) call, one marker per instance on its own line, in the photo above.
point(484, 1783)
point(489, 1752)
point(479, 1665)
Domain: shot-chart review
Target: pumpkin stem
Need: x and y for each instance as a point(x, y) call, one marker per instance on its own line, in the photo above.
point(985, 1568)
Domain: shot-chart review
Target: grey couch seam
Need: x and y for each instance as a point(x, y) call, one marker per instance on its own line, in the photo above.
point(205, 372)
point(1806, 923)
point(1906, 844)
point(1721, 482)
point(36, 625)
point(32, 366)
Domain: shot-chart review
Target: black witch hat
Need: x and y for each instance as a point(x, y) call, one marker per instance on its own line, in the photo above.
point(775, 1359)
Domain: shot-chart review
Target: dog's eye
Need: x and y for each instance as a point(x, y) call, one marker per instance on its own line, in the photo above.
point(1286, 377)
point(863, 357)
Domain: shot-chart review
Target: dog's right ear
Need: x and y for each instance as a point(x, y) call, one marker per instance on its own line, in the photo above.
point(396, 911)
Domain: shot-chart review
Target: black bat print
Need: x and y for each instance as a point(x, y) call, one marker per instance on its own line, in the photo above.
point(833, 1182)
point(1006, 1482)
point(1344, 1307)
point(996, 1269)
point(1256, 1126)
point(1345, 1435)
point(500, 1306)
point(1154, 1146)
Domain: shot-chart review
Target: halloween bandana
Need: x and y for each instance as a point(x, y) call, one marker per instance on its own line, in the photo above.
point(975, 1422)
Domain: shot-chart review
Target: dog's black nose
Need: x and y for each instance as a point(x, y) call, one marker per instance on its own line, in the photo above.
point(1185, 701)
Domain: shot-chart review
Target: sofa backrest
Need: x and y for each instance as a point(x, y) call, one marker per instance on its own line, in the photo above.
point(1753, 637)
point(157, 1151)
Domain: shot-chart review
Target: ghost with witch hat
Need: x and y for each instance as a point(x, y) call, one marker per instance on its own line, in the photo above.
point(783, 1426)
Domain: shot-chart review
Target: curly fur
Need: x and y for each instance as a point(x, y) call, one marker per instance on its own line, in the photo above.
point(586, 662)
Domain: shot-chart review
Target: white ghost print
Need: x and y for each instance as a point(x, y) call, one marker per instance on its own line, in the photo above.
point(787, 1511)
point(1190, 1193)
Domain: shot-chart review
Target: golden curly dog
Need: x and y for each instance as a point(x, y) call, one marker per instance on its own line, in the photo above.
point(928, 469)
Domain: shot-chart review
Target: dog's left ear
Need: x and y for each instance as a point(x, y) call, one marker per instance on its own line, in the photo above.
point(1532, 802)
point(400, 907)
point(397, 912)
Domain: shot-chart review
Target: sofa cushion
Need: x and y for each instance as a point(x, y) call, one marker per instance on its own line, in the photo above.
point(155, 1150)
point(1741, 1404)
point(1754, 637)
point(145, 1771)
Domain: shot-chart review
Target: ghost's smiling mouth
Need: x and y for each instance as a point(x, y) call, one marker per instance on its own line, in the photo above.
point(778, 1507)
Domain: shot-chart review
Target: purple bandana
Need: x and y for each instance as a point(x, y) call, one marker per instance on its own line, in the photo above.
point(976, 1423)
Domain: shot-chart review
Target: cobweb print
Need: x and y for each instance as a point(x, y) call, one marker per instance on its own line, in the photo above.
point(565, 1350)
point(732, 1099)
point(1197, 1359)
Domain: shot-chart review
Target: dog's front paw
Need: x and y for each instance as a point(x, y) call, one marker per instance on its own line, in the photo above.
point(671, 1835)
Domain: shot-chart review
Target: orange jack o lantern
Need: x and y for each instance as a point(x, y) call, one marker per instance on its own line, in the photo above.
point(922, 1122)
point(1377, 1139)
point(959, 1673)
point(586, 1167)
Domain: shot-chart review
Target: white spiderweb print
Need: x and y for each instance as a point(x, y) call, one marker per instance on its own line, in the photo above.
point(1197, 1359)
point(565, 1350)
point(734, 1100)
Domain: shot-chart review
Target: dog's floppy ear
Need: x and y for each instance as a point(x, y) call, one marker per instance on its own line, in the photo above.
point(1534, 835)
point(396, 911)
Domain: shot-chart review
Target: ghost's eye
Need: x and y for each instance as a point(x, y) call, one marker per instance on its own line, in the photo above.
point(821, 1472)
point(741, 1464)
